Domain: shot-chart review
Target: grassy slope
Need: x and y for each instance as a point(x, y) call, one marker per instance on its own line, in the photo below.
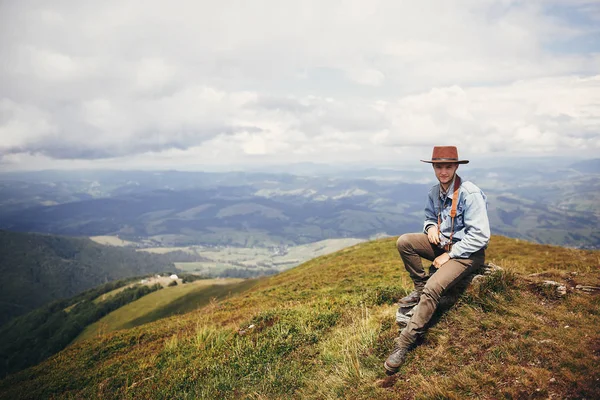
point(158, 304)
point(323, 329)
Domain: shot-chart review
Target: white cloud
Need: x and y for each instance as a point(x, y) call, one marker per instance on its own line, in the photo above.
point(154, 74)
point(22, 124)
point(280, 81)
point(545, 115)
point(371, 77)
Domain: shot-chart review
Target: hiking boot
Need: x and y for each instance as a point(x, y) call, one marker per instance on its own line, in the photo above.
point(411, 300)
point(403, 315)
point(396, 358)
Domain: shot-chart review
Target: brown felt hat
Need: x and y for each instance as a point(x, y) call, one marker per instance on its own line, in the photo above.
point(445, 154)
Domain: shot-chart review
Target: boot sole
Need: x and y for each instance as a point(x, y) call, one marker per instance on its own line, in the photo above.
point(390, 370)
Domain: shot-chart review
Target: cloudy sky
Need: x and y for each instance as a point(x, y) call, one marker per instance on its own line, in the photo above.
point(199, 84)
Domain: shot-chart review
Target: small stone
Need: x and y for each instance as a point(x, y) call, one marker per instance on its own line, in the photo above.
point(552, 380)
point(538, 390)
point(560, 288)
point(490, 268)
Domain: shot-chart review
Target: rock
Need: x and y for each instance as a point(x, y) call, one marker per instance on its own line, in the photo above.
point(489, 268)
point(561, 289)
point(551, 283)
point(587, 288)
point(242, 332)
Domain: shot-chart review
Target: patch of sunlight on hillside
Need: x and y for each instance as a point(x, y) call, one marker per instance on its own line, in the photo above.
point(164, 281)
point(111, 241)
point(119, 318)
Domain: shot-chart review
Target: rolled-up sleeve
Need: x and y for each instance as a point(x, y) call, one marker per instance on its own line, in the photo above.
point(430, 216)
point(477, 227)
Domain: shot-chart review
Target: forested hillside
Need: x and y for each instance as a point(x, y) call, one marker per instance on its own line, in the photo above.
point(37, 269)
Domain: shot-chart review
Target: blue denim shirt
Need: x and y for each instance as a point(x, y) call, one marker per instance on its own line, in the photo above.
point(471, 224)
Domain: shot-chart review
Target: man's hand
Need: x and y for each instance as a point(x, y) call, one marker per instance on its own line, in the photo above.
point(433, 235)
point(441, 260)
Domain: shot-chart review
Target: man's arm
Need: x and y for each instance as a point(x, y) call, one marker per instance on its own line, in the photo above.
point(477, 227)
point(430, 216)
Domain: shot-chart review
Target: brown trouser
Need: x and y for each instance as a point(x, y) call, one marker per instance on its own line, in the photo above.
point(413, 246)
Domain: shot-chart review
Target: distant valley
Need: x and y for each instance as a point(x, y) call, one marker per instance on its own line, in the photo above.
point(270, 210)
point(238, 262)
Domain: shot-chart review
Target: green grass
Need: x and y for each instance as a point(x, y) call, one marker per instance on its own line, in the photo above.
point(160, 304)
point(323, 329)
point(193, 299)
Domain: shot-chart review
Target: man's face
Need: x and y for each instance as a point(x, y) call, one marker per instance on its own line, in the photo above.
point(444, 172)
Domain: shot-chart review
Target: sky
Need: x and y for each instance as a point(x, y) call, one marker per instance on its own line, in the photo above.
point(197, 85)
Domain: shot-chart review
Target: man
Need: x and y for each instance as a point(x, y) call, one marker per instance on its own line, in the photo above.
point(456, 233)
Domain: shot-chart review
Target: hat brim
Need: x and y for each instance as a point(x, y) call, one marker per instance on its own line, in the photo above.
point(446, 161)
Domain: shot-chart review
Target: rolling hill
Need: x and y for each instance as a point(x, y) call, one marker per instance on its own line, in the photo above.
point(37, 269)
point(165, 303)
point(323, 329)
point(31, 338)
point(173, 208)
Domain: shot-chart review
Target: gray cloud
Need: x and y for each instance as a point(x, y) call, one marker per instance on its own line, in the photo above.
point(302, 81)
point(149, 141)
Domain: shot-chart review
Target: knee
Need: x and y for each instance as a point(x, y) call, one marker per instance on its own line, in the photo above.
point(431, 293)
point(403, 242)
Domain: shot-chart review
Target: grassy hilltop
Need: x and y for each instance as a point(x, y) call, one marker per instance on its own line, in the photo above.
point(323, 329)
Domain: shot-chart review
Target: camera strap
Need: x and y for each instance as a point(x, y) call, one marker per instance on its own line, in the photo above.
point(457, 182)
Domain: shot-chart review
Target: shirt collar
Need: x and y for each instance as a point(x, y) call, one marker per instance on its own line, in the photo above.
point(450, 189)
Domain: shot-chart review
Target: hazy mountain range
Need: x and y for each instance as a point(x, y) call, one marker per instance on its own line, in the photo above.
point(558, 206)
